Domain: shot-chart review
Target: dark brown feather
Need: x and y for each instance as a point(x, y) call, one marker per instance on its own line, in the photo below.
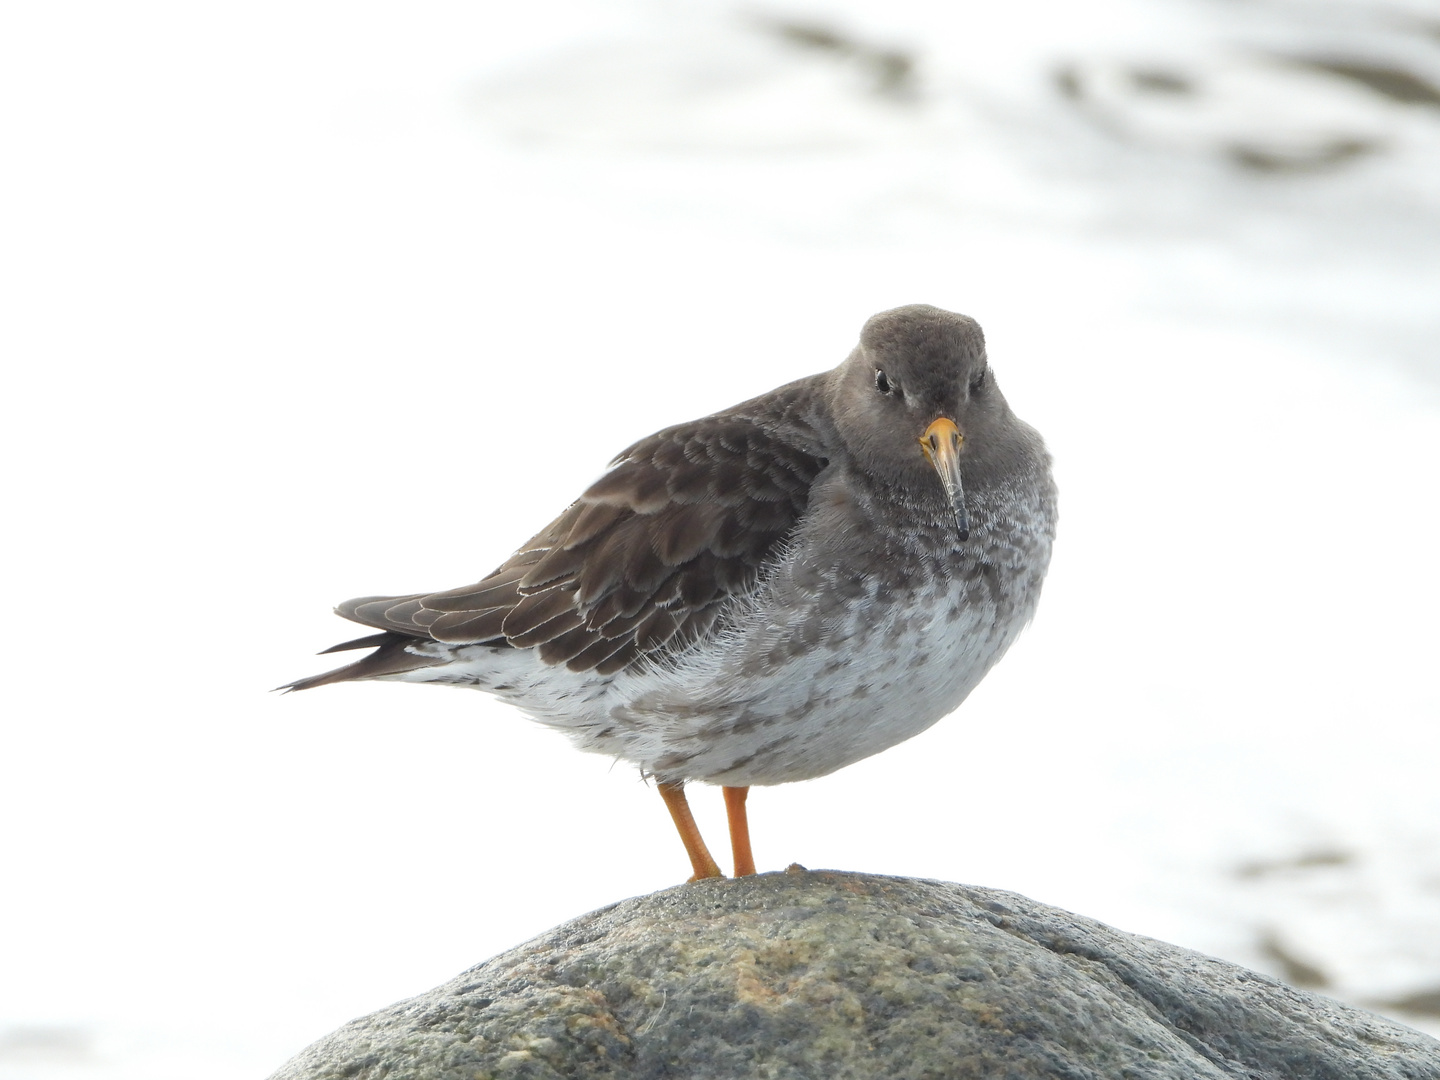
point(500, 588)
point(700, 585)
point(567, 646)
point(367, 642)
point(592, 519)
point(470, 627)
point(389, 659)
point(538, 610)
point(559, 562)
point(617, 660)
point(658, 627)
point(643, 562)
point(550, 629)
point(681, 532)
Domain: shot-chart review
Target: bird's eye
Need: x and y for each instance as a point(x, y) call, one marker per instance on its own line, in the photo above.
point(882, 382)
point(979, 380)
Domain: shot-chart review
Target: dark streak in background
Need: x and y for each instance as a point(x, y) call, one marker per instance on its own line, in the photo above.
point(1293, 969)
point(892, 71)
point(1395, 83)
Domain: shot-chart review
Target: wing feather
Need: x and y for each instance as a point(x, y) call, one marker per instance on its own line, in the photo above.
point(533, 618)
point(470, 627)
point(646, 559)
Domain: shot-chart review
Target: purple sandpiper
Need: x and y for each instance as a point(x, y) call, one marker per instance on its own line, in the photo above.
point(766, 594)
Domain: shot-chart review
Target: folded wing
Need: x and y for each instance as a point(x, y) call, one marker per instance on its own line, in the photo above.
point(685, 521)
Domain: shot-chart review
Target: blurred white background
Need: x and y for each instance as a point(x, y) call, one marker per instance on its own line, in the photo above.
point(313, 300)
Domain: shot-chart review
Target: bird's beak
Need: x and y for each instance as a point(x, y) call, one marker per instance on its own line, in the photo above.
point(941, 443)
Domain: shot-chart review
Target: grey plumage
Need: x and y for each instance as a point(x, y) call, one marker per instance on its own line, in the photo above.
point(802, 536)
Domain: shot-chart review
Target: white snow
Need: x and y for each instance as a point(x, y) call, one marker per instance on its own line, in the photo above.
point(292, 288)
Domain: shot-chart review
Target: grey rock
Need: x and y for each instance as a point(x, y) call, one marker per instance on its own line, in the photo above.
point(833, 975)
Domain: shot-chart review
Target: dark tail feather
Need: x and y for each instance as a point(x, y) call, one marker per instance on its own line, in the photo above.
point(389, 658)
point(368, 642)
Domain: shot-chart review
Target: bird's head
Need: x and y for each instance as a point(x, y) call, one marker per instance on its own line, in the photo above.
point(918, 407)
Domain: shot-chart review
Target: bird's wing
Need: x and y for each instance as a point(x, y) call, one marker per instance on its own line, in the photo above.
point(684, 521)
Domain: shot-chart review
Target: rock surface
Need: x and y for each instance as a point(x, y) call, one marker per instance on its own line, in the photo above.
point(833, 975)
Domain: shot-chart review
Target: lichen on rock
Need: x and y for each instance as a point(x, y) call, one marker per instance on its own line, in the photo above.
point(843, 976)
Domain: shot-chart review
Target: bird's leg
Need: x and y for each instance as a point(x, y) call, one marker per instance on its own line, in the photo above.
point(739, 830)
point(700, 858)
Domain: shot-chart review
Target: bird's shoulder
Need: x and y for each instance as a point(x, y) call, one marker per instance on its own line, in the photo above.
point(644, 562)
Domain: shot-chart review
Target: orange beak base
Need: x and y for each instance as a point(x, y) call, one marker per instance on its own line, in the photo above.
point(941, 444)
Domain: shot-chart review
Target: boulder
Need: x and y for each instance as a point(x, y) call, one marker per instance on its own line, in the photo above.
point(835, 975)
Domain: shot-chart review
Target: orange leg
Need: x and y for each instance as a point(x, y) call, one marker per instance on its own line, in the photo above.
point(700, 859)
point(739, 830)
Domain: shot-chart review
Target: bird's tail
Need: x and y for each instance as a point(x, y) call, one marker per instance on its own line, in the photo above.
point(390, 657)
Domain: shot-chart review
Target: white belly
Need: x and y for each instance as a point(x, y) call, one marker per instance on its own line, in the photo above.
point(750, 711)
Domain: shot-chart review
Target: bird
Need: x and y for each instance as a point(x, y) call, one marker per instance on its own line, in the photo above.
point(766, 594)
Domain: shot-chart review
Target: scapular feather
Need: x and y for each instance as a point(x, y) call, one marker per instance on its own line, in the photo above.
point(641, 563)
